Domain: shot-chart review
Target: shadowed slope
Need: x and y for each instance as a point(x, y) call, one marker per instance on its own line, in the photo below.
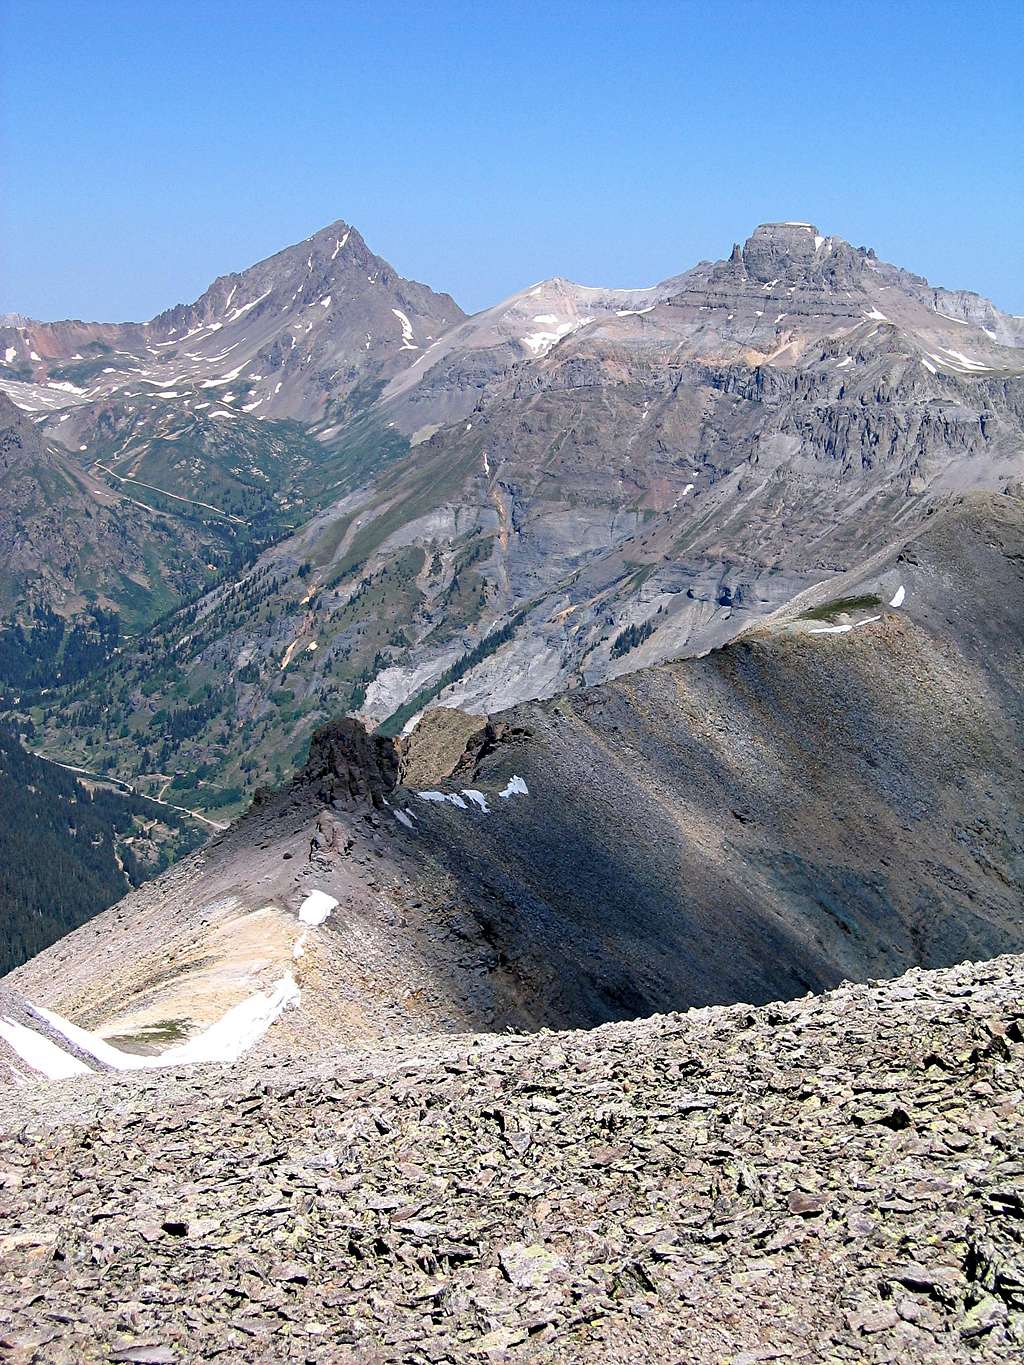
point(810, 803)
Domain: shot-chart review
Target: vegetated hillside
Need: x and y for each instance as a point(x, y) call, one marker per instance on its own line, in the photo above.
point(833, 1179)
point(67, 851)
point(647, 481)
point(836, 795)
point(71, 546)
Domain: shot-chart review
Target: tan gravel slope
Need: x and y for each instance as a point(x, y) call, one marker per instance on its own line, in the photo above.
point(838, 1178)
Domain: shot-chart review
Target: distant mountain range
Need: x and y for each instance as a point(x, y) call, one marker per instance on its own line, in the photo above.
point(322, 488)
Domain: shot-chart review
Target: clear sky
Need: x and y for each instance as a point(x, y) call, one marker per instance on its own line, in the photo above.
point(147, 146)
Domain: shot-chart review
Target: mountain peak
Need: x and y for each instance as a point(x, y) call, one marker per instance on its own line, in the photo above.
point(774, 249)
point(783, 250)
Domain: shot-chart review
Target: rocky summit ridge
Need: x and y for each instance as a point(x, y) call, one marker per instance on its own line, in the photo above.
point(833, 1179)
point(835, 795)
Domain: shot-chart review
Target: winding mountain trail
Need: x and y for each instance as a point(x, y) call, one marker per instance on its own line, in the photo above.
point(128, 787)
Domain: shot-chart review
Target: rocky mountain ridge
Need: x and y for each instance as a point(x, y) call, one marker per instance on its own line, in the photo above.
point(644, 474)
point(834, 795)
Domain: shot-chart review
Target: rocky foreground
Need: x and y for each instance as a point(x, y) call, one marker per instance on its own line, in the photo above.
point(837, 1178)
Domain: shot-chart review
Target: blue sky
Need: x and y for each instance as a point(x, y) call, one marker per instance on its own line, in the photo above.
point(147, 147)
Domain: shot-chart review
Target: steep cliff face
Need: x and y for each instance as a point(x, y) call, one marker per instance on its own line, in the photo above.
point(835, 795)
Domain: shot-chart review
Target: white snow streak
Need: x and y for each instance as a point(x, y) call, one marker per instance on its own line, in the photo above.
point(224, 1041)
point(541, 342)
point(842, 630)
point(238, 312)
point(407, 334)
point(239, 1030)
point(477, 798)
point(41, 1055)
point(964, 360)
point(440, 797)
point(900, 594)
point(516, 787)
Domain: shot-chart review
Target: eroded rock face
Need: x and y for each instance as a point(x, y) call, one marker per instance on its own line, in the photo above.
point(437, 746)
point(837, 1178)
point(349, 767)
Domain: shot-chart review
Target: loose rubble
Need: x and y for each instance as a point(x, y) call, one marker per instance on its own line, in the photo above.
point(838, 1178)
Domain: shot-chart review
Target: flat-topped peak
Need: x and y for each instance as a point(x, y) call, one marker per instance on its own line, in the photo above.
point(775, 250)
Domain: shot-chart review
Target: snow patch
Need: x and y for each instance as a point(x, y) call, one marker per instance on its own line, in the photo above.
point(900, 594)
point(224, 1041)
point(407, 334)
point(40, 1053)
point(541, 342)
point(516, 787)
point(237, 1031)
point(440, 798)
point(478, 799)
point(316, 907)
point(965, 361)
point(403, 819)
point(239, 312)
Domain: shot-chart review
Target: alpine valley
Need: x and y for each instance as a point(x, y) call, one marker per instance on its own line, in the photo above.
point(322, 489)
